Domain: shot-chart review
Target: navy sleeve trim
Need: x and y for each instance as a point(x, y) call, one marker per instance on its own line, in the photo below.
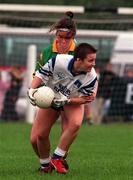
point(45, 72)
point(87, 90)
point(53, 62)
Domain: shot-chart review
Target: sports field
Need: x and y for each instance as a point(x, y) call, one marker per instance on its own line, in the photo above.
point(102, 152)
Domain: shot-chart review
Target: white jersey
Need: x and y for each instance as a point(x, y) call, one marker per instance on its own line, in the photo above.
point(57, 74)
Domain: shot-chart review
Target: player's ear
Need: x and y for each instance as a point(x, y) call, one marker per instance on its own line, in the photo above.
point(78, 59)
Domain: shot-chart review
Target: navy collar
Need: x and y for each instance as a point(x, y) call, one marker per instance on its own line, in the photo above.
point(70, 67)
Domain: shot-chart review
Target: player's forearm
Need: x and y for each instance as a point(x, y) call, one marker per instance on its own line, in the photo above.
point(36, 82)
point(82, 100)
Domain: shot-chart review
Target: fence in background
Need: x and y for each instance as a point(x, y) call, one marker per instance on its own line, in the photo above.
point(14, 43)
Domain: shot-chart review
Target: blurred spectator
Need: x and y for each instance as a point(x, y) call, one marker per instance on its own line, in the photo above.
point(11, 96)
point(106, 84)
point(129, 73)
point(3, 88)
point(121, 106)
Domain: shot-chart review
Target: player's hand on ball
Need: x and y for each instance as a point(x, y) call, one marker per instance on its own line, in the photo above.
point(58, 104)
point(30, 93)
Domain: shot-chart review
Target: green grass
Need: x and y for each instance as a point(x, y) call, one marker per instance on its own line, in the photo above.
point(99, 153)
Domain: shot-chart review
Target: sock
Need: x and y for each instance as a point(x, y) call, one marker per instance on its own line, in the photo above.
point(45, 162)
point(58, 153)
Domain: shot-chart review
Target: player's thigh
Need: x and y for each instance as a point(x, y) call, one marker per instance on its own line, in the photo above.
point(64, 121)
point(44, 120)
point(74, 114)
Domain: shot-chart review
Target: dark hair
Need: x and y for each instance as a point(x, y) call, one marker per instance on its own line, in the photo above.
point(66, 22)
point(82, 50)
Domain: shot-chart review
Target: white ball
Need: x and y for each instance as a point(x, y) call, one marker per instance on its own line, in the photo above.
point(44, 97)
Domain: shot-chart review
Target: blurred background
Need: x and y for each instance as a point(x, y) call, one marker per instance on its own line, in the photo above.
point(108, 25)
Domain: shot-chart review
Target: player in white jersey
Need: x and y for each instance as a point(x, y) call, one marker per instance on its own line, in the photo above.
point(74, 81)
point(58, 75)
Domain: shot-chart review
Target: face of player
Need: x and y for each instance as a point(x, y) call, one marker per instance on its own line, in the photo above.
point(86, 64)
point(63, 40)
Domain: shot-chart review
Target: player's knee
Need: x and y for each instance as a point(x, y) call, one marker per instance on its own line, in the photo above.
point(42, 137)
point(75, 127)
point(33, 139)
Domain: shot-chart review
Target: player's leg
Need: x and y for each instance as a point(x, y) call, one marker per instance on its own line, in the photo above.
point(64, 125)
point(74, 116)
point(64, 122)
point(44, 120)
point(41, 128)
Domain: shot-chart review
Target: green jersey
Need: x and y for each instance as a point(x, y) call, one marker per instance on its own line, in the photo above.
point(50, 52)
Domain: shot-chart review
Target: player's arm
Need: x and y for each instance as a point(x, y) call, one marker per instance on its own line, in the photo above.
point(45, 55)
point(85, 99)
point(59, 103)
point(81, 100)
point(36, 82)
point(41, 77)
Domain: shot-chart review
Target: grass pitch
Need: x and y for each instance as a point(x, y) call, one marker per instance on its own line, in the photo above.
point(102, 152)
